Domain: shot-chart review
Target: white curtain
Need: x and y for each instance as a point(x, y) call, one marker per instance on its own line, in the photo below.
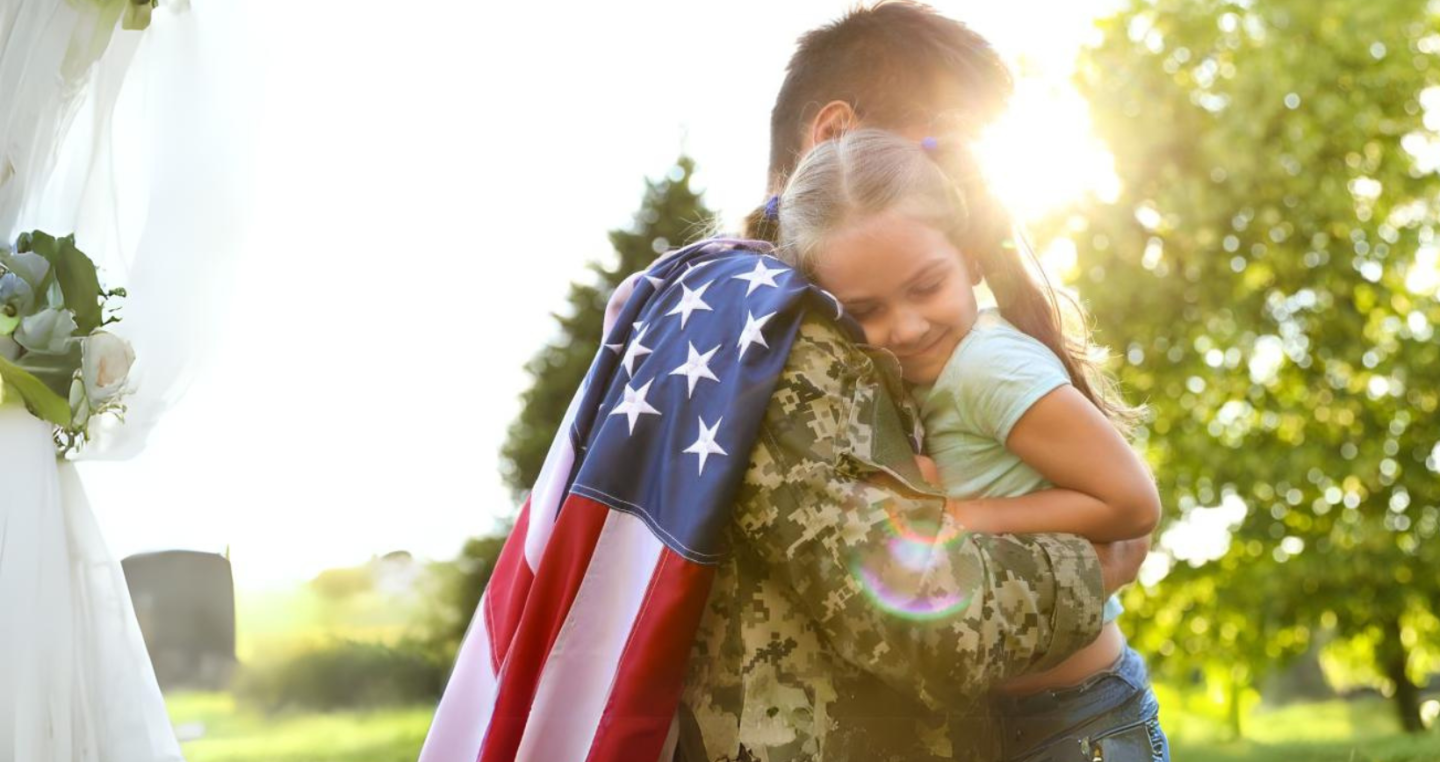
point(75, 682)
point(101, 131)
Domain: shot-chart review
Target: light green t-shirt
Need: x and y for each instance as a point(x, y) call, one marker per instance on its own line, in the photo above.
point(995, 374)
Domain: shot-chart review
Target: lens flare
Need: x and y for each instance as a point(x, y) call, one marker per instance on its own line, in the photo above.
point(912, 574)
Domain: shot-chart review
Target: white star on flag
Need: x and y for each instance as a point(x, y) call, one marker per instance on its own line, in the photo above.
point(656, 282)
point(615, 347)
point(690, 302)
point(751, 334)
point(705, 446)
point(635, 351)
point(634, 404)
point(696, 368)
point(760, 276)
point(692, 267)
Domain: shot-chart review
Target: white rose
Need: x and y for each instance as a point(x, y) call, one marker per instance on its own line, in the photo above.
point(105, 365)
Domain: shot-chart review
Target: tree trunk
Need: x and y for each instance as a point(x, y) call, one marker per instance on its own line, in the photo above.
point(1394, 658)
point(1237, 694)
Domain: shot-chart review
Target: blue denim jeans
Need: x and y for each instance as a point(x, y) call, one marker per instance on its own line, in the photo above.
point(1112, 716)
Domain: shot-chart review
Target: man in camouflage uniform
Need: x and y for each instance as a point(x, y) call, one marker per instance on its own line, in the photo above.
point(801, 654)
point(825, 638)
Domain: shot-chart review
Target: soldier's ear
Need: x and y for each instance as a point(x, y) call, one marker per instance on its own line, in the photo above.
point(831, 121)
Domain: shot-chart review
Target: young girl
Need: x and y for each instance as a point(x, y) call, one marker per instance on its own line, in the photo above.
point(1024, 432)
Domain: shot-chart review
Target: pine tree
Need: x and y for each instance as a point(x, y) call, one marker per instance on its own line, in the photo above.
point(670, 215)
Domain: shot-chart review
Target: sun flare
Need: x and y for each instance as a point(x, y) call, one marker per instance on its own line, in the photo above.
point(1042, 154)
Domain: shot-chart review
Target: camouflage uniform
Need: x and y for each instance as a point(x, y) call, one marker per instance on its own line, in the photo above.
point(796, 659)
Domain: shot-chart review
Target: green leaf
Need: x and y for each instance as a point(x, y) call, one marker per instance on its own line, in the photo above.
point(74, 272)
point(43, 402)
point(55, 370)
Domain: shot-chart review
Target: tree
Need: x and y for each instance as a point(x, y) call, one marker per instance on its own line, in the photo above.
point(454, 593)
point(1269, 275)
point(671, 214)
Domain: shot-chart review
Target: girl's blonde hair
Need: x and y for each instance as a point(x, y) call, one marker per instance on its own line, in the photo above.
point(868, 171)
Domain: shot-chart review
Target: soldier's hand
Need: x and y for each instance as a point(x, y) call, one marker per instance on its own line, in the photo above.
point(928, 470)
point(1120, 561)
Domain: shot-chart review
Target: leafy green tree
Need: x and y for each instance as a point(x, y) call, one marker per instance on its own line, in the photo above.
point(456, 587)
point(1269, 274)
point(671, 214)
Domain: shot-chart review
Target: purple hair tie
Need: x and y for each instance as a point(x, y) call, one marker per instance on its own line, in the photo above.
point(772, 208)
point(929, 144)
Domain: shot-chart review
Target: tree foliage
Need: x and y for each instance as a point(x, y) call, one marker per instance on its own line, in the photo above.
point(1269, 275)
point(456, 587)
point(671, 214)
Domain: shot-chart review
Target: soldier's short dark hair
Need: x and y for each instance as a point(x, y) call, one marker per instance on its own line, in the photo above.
point(897, 63)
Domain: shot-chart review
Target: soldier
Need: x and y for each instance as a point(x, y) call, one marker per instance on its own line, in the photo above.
point(853, 620)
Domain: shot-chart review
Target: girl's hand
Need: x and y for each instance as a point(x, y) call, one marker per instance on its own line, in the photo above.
point(969, 513)
point(974, 516)
point(928, 470)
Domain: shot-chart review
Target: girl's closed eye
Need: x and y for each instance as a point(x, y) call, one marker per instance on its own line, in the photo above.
point(928, 288)
point(862, 312)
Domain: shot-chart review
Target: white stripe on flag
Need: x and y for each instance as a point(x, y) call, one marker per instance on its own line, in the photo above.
point(549, 488)
point(580, 669)
point(458, 727)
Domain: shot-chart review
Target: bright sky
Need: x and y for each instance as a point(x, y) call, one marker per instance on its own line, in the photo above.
point(426, 179)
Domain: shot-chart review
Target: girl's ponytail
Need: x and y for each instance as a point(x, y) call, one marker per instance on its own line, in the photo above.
point(1029, 301)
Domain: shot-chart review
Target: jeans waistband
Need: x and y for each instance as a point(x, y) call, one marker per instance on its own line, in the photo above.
point(1100, 692)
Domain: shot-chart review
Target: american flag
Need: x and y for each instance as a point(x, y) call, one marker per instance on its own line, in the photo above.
point(579, 646)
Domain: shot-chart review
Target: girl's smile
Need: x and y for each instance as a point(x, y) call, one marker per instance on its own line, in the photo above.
point(906, 284)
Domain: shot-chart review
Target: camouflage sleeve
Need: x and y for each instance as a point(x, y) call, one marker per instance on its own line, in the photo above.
point(833, 505)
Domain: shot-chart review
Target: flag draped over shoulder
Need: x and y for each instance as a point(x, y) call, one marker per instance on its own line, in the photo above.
point(578, 649)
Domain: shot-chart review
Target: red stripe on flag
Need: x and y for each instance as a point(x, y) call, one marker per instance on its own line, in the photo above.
point(651, 673)
point(539, 618)
point(507, 590)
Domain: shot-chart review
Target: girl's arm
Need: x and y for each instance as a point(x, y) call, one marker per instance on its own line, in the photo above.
point(1103, 490)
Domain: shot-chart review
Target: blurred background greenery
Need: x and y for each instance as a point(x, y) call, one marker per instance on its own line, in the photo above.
point(1266, 276)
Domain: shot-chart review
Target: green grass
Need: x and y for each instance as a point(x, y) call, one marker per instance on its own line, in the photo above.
point(234, 734)
point(1392, 749)
point(1331, 731)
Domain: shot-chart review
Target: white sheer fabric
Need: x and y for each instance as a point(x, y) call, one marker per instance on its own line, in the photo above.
point(75, 680)
point(47, 60)
point(127, 136)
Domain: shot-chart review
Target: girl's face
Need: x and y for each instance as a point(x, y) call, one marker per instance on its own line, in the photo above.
point(906, 285)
